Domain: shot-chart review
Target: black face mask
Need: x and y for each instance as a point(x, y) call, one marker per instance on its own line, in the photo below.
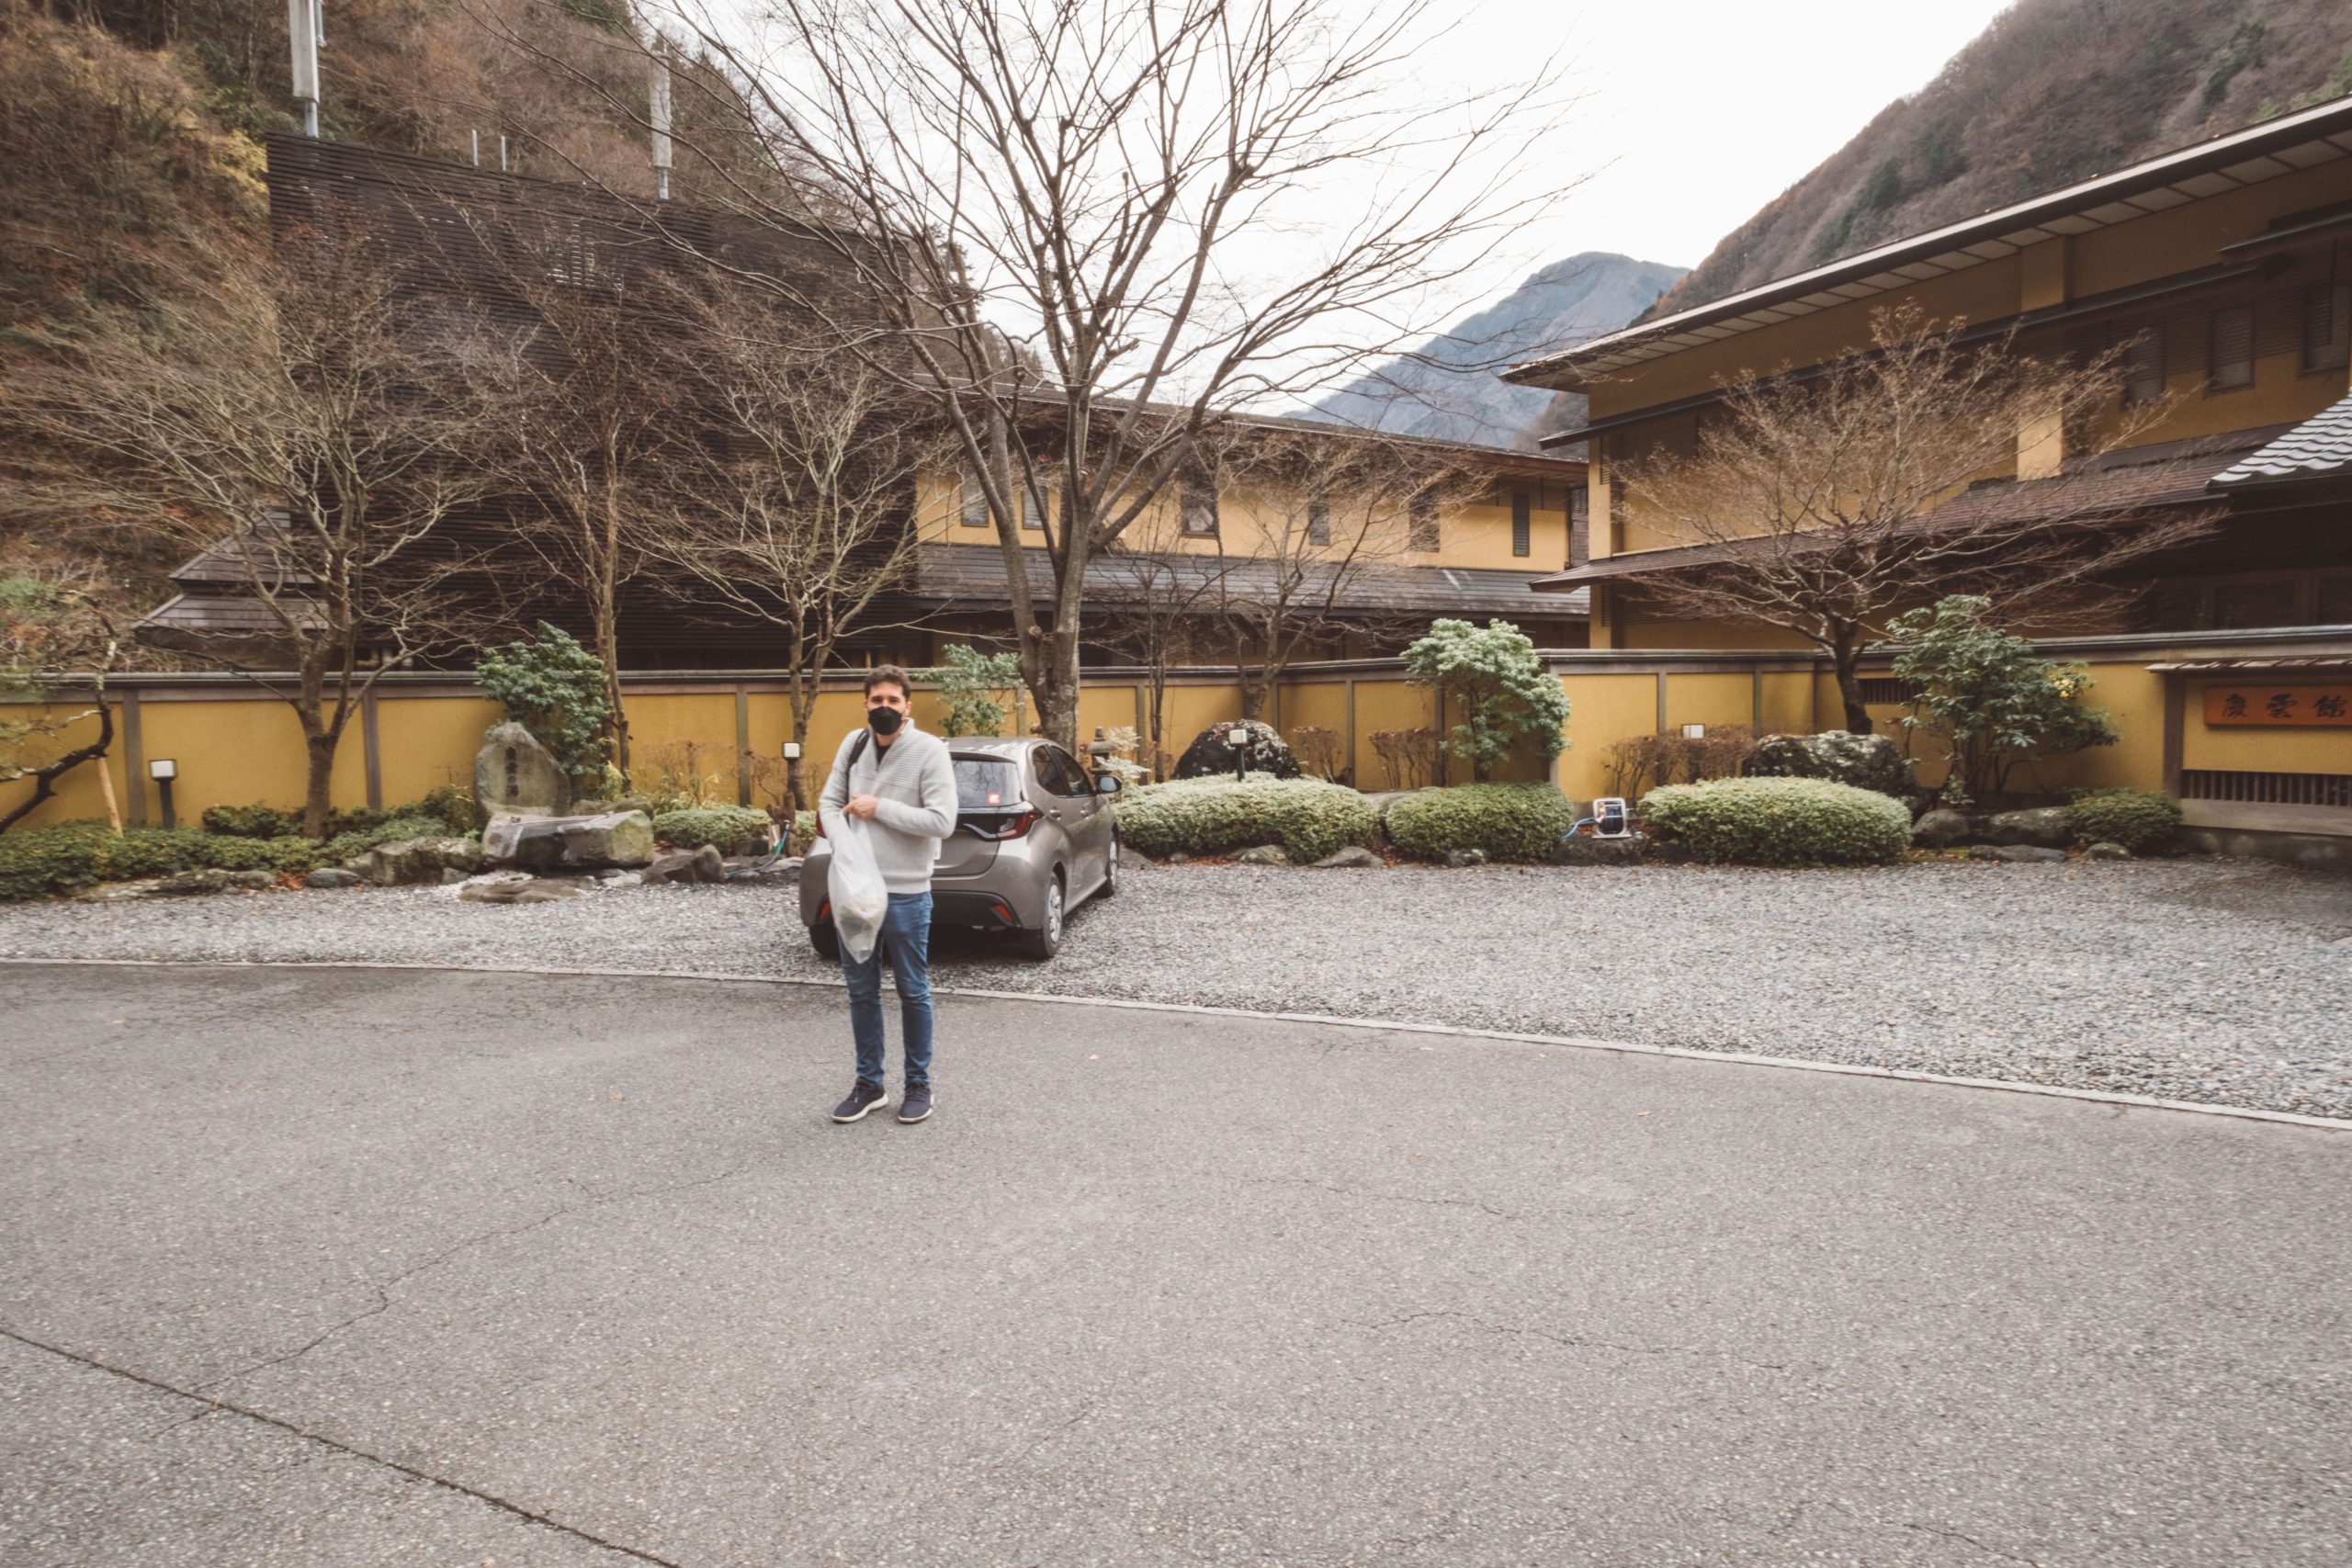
point(886, 721)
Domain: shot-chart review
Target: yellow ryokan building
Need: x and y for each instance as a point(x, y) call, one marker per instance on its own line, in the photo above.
point(2228, 266)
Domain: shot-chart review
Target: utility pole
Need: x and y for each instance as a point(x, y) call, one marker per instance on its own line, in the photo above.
point(306, 29)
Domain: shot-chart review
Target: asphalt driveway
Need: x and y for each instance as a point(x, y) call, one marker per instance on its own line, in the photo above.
point(351, 1267)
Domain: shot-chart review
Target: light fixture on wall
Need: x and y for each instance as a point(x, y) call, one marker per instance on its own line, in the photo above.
point(792, 750)
point(163, 770)
point(1695, 732)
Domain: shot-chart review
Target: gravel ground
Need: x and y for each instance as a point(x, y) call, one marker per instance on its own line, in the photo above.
point(2224, 981)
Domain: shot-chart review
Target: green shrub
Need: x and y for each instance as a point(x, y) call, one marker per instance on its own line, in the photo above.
point(455, 805)
point(343, 846)
point(1509, 821)
point(2132, 817)
point(1866, 762)
point(34, 862)
point(1779, 821)
point(725, 826)
point(154, 852)
point(804, 830)
point(554, 688)
point(251, 822)
point(1307, 818)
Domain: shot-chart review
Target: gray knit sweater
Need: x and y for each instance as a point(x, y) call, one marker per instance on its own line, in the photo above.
point(914, 782)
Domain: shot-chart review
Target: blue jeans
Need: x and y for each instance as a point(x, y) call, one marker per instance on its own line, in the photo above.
point(906, 937)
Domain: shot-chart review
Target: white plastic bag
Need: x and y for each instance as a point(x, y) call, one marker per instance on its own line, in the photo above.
point(861, 899)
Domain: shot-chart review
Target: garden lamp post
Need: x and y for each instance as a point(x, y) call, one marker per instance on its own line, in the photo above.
point(163, 770)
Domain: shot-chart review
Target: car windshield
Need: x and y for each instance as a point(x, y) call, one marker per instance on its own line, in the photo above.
point(987, 783)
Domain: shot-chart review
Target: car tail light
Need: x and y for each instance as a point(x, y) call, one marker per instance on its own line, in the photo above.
point(825, 911)
point(1011, 825)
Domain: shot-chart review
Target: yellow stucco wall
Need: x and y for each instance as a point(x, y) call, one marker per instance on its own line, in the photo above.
point(1710, 699)
point(1602, 710)
point(79, 794)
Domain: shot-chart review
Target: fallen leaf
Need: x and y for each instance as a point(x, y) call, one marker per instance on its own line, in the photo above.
point(625, 1097)
point(1637, 1112)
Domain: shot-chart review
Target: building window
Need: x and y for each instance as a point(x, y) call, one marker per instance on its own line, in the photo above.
point(1421, 535)
point(1523, 517)
point(1199, 503)
point(2230, 349)
point(2143, 367)
point(1033, 508)
point(976, 503)
point(1318, 519)
point(2333, 604)
point(2247, 604)
point(2327, 313)
point(1579, 524)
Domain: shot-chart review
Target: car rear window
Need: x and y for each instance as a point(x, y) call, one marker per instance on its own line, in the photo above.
point(987, 783)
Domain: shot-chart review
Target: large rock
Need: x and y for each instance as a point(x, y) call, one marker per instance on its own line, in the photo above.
point(1579, 849)
point(1209, 755)
point(514, 775)
point(1866, 762)
point(2044, 826)
point(618, 839)
point(2104, 849)
point(520, 888)
point(1942, 830)
point(1458, 859)
point(704, 864)
point(2027, 854)
point(411, 862)
point(332, 876)
point(1263, 854)
point(1350, 857)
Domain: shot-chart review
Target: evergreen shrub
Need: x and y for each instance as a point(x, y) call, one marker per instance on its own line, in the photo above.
point(2135, 819)
point(728, 826)
point(1779, 821)
point(1309, 818)
point(1509, 821)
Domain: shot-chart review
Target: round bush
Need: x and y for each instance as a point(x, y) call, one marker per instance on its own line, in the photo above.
point(728, 826)
point(1779, 821)
point(1307, 818)
point(2132, 817)
point(1509, 821)
point(1866, 762)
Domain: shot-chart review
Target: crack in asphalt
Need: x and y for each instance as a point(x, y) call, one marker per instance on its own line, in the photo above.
point(529, 1515)
point(1980, 1546)
point(383, 1290)
point(1341, 1190)
point(1572, 1342)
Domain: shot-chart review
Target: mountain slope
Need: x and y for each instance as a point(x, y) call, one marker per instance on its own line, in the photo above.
point(1447, 390)
point(2052, 92)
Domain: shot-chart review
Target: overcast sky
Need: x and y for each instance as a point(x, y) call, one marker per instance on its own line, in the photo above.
point(1698, 112)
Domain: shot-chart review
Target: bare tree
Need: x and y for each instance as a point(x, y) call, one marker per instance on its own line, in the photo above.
point(51, 620)
point(597, 425)
point(797, 509)
point(1162, 613)
point(1834, 500)
point(1076, 229)
point(1324, 519)
point(279, 426)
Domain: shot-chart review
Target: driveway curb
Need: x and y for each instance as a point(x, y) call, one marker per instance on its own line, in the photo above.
point(1684, 1052)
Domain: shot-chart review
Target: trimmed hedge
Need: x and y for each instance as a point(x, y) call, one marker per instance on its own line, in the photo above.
point(2132, 817)
point(1309, 818)
point(1509, 821)
point(37, 861)
point(1779, 821)
point(725, 826)
point(1866, 762)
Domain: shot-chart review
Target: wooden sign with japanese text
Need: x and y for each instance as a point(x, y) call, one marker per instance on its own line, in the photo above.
point(2301, 706)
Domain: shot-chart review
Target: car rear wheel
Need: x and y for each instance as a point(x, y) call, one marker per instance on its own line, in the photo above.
point(826, 939)
point(1046, 938)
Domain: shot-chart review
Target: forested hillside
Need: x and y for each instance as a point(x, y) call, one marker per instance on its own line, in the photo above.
point(2053, 92)
point(1448, 389)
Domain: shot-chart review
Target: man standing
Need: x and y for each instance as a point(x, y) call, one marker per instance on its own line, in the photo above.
point(899, 783)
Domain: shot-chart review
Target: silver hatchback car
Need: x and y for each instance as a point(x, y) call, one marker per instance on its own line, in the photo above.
point(1034, 839)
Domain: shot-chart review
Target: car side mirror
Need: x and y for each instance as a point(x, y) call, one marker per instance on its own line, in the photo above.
point(1107, 785)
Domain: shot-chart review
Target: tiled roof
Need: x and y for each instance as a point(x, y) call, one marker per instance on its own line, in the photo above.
point(2114, 485)
point(974, 575)
point(2320, 447)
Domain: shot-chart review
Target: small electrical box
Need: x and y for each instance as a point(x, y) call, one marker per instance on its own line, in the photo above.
point(1611, 819)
